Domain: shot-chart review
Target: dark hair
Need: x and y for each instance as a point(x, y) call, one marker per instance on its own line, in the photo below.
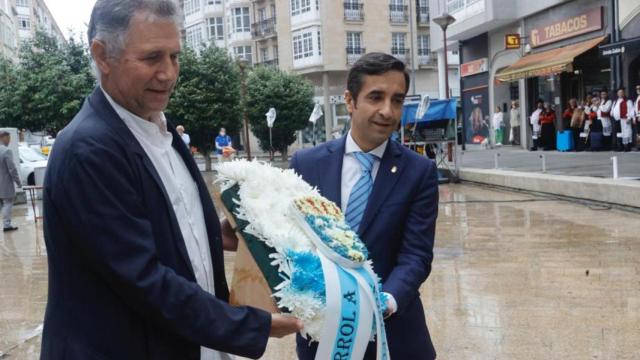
point(620, 88)
point(373, 64)
point(4, 133)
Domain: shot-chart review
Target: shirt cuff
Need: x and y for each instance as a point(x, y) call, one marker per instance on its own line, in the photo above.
point(391, 303)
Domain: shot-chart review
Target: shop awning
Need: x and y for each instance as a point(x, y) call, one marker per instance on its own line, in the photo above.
point(547, 62)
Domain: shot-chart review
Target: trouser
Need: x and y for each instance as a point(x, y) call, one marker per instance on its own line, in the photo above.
point(516, 135)
point(7, 205)
point(616, 143)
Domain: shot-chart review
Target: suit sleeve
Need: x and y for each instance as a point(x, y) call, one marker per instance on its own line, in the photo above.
point(413, 264)
point(13, 171)
point(101, 205)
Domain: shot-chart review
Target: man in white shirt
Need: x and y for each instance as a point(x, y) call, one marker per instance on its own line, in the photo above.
point(136, 265)
point(535, 125)
point(183, 135)
point(624, 114)
point(604, 115)
point(636, 107)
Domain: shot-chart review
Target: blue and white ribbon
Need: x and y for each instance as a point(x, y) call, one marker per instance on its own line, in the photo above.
point(351, 306)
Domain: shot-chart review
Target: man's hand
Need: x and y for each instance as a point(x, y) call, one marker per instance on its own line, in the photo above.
point(282, 325)
point(229, 238)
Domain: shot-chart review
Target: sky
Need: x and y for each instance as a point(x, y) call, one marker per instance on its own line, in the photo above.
point(71, 14)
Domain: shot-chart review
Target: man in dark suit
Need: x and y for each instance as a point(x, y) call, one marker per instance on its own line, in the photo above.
point(136, 267)
point(389, 195)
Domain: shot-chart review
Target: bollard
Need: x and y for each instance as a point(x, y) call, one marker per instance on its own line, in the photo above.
point(544, 163)
point(496, 156)
point(615, 167)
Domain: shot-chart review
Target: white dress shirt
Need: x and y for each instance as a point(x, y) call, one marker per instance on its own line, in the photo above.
point(186, 138)
point(183, 193)
point(351, 173)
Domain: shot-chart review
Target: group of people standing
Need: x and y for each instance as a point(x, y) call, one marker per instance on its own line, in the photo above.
point(597, 123)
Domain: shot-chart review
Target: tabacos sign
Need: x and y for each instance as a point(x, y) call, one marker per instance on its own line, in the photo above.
point(576, 25)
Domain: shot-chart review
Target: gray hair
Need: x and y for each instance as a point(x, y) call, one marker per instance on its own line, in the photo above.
point(110, 20)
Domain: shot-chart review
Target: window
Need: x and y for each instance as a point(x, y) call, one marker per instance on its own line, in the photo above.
point(354, 42)
point(397, 5)
point(454, 5)
point(216, 28)
point(352, 4)
point(262, 14)
point(243, 52)
point(241, 20)
point(191, 7)
point(24, 23)
point(302, 45)
point(275, 52)
point(273, 11)
point(319, 44)
point(264, 54)
point(423, 45)
point(24, 3)
point(398, 43)
point(194, 36)
point(214, 2)
point(300, 7)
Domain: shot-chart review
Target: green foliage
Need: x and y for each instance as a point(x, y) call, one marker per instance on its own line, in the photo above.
point(207, 96)
point(289, 94)
point(46, 89)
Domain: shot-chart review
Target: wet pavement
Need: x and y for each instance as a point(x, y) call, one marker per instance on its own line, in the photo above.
point(515, 276)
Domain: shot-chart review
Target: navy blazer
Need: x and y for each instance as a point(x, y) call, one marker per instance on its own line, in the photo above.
point(121, 285)
point(398, 228)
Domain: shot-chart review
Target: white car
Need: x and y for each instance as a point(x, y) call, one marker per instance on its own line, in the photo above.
point(30, 159)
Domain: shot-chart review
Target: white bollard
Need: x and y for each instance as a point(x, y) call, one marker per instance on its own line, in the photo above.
point(496, 156)
point(544, 163)
point(615, 167)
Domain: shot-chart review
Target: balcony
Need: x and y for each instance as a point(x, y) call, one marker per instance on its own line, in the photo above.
point(271, 63)
point(423, 16)
point(353, 12)
point(264, 28)
point(398, 14)
point(402, 54)
point(426, 59)
point(354, 53)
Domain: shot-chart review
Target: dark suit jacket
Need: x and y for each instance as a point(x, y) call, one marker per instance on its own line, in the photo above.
point(121, 285)
point(398, 228)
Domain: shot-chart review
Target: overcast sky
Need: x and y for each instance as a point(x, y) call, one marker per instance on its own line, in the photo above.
point(71, 14)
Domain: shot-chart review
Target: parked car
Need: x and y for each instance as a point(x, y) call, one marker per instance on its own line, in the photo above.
point(30, 159)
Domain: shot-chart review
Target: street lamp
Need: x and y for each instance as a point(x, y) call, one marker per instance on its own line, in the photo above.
point(243, 63)
point(444, 21)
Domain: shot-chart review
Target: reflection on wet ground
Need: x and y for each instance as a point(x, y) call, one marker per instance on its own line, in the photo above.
point(515, 276)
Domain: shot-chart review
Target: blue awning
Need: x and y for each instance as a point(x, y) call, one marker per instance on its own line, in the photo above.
point(438, 110)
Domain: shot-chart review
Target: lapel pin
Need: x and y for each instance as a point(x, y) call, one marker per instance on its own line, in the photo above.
point(394, 169)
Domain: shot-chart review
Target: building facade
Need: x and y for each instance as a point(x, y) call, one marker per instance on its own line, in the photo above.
point(34, 15)
point(8, 33)
point(320, 40)
point(559, 56)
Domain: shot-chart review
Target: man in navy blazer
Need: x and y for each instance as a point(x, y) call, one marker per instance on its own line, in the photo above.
point(399, 220)
point(136, 266)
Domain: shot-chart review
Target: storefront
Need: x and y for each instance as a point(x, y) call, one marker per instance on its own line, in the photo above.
point(563, 60)
point(474, 80)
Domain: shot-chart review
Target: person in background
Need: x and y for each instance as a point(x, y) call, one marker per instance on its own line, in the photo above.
point(623, 113)
point(498, 125)
point(548, 128)
point(514, 121)
point(568, 113)
point(637, 118)
point(183, 135)
point(8, 176)
point(222, 141)
point(604, 115)
point(535, 125)
point(577, 126)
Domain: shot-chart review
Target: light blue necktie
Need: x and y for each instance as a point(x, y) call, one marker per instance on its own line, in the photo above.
point(360, 191)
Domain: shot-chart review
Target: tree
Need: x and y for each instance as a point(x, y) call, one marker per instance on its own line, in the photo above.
point(207, 97)
point(49, 84)
point(9, 105)
point(289, 94)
